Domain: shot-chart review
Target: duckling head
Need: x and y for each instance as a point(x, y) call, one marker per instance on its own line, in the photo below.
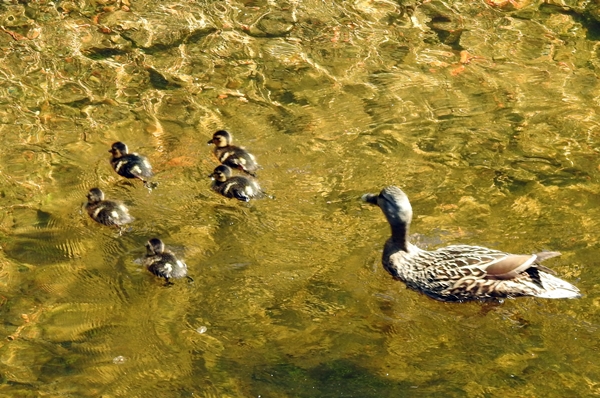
point(221, 173)
point(221, 139)
point(394, 203)
point(118, 149)
point(155, 246)
point(95, 195)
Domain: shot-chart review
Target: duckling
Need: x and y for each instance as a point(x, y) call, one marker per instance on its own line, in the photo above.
point(239, 187)
point(129, 165)
point(231, 155)
point(161, 262)
point(462, 272)
point(106, 212)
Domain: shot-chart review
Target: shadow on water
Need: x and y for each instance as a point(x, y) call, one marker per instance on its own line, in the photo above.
point(338, 378)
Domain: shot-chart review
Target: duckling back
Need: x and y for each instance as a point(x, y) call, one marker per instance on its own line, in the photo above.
point(109, 213)
point(129, 165)
point(106, 212)
point(238, 187)
point(237, 158)
point(166, 265)
point(161, 262)
point(132, 165)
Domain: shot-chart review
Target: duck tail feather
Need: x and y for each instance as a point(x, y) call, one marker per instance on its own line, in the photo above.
point(555, 288)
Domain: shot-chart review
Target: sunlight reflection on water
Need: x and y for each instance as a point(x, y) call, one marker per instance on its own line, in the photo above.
point(486, 115)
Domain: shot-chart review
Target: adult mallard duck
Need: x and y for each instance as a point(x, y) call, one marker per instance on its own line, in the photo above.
point(106, 212)
point(238, 187)
point(231, 155)
point(461, 272)
point(161, 262)
point(129, 165)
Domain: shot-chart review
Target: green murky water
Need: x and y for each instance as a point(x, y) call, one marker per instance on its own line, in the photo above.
point(486, 115)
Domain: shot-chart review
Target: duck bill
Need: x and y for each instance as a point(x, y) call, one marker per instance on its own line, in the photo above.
point(370, 198)
point(210, 142)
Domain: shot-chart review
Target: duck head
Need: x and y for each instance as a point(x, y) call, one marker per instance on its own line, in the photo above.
point(155, 246)
point(395, 206)
point(95, 195)
point(221, 139)
point(221, 173)
point(118, 149)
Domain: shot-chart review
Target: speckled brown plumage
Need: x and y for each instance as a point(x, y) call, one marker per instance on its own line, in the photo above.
point(461, 272)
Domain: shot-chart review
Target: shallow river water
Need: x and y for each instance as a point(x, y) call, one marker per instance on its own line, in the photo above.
point(486, 113)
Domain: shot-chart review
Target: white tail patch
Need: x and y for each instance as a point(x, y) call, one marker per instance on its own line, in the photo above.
point(556, 288)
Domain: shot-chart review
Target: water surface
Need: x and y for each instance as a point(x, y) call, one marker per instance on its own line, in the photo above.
point(485, 113)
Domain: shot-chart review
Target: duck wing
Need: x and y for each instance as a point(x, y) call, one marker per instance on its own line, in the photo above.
point(508, 267)
point(513, 264)
point(239, 192)
point(491, 264)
